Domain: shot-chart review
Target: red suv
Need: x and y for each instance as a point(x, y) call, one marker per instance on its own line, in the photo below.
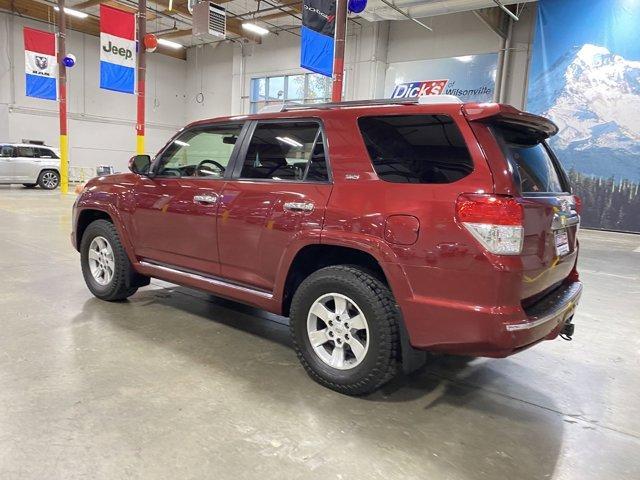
point(382, 229)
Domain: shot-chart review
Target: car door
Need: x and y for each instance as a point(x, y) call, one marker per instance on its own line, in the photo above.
point(26, 168)
point(6, 164)
point(174, 210)
point(275, 201)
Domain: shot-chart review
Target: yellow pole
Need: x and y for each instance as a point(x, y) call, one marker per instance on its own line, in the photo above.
point(64, 165)
point(140, 144)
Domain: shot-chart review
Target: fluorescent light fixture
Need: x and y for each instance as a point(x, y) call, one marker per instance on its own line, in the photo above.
point(252, 27)
point(73, 13)
point(289, 141)
point(169, 43)
point(465, 58)
point(181, 143)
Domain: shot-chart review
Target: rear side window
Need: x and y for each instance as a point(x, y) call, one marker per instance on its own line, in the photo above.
point(416, 148)
point(530, 159)
point(46, 153)
point(292, 151)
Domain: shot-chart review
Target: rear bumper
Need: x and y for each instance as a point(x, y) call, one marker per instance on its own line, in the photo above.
point(488, 331)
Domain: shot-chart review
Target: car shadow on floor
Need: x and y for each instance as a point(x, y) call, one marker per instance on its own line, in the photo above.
point(452, 403)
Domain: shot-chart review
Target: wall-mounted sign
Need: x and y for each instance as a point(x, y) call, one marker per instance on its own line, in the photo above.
point(471, 77)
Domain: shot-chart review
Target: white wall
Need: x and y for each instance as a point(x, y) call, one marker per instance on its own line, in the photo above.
point(101, 122)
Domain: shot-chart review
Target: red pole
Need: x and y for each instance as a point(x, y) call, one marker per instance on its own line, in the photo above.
point(338, 50)
point(62, 98)
point(142, 68)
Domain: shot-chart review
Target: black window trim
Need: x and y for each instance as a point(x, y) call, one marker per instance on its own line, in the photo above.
point(396, 113)
point(242, 154)
point(244, 125)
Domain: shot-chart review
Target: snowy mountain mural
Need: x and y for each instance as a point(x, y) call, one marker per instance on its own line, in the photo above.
point(593, 96)
point(585, 76)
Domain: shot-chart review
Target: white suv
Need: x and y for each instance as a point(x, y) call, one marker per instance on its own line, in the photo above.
point(29, 165)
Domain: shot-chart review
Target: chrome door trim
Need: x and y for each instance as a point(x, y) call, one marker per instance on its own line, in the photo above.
point(299, 206)
point(209, 199)
point(218, 282)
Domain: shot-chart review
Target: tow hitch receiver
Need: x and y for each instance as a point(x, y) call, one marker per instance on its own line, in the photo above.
point(567, 330)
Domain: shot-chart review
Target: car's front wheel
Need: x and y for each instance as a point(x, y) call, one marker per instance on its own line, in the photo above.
point(106, 268)
point(344, 323)
point(49, 179)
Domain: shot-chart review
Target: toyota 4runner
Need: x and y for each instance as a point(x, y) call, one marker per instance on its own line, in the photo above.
point(382, 229)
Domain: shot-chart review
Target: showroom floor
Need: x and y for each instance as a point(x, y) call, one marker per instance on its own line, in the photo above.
point(175, 384)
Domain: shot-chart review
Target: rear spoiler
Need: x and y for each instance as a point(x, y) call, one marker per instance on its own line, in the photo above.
point(510, 116)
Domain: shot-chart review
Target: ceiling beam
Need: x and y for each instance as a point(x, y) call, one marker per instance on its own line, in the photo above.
point(233, 24)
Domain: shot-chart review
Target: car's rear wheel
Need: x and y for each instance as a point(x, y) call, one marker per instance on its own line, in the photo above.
point(344, 324)
point(106, 268)
point(30, 185)
point(49, 179)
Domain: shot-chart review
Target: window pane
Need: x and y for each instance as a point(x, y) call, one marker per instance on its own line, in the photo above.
point(28, 152)
point(201, 152)
point(317, 170)
point(416, 148)
point(295, 87)
point(276, 88)
point(318, 86)
point(530, 159)
point(258, 89)
point(6, 152)
point(280, 151)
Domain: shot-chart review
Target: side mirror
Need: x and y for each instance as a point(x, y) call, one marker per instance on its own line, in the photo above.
point(140, 164)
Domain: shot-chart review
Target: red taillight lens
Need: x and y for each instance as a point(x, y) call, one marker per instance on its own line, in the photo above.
point(578, 203)
point(488, 209)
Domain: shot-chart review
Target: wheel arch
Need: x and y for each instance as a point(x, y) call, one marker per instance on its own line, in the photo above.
point(92, 213)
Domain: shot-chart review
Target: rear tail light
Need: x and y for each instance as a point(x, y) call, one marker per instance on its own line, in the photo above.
point(494, 220)
point(578, 203)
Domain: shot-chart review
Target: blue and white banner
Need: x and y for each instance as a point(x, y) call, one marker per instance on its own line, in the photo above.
point(41, 68)
point(585, 76)
point(117, 50)
point(317, 32)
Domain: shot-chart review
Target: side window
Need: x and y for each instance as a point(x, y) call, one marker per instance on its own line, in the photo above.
point(46, 153)
point(199, 152)
point(291, 151)
point(28, 152)
point(6, 152)
point(416, 148)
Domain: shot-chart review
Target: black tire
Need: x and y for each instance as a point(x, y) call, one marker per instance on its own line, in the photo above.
point(125, 281)
point(382, 314)
point(30, 185)
point(49, 179)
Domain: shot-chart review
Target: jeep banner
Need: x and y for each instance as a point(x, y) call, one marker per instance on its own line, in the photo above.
point(117, 49)
point(318, 27)
point(40, 63)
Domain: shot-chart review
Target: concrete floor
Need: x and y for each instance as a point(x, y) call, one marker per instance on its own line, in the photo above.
point(175, 384)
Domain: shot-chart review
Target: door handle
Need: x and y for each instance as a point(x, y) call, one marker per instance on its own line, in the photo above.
point(208, 199)
point(299, 206)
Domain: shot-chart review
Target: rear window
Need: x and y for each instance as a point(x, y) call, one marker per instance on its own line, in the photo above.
point(416, 148)
point(530, 159)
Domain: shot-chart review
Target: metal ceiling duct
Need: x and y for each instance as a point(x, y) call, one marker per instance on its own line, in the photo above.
point(378, 10)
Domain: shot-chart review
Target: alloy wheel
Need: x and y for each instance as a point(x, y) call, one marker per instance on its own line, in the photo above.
point(338, 331)
point(50, 180)
point(101, 261)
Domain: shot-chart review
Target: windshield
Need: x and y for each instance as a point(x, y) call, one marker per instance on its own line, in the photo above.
point(530, 159)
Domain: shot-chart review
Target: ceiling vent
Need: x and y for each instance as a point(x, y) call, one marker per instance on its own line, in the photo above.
point(209, 21)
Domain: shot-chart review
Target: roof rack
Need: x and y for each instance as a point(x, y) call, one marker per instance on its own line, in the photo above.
point(424, 100)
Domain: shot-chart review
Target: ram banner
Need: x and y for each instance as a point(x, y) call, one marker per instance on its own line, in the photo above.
point(470, 77)
point(41, 67)
point(585, 76)
point(317, 32)
point(117, 49)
